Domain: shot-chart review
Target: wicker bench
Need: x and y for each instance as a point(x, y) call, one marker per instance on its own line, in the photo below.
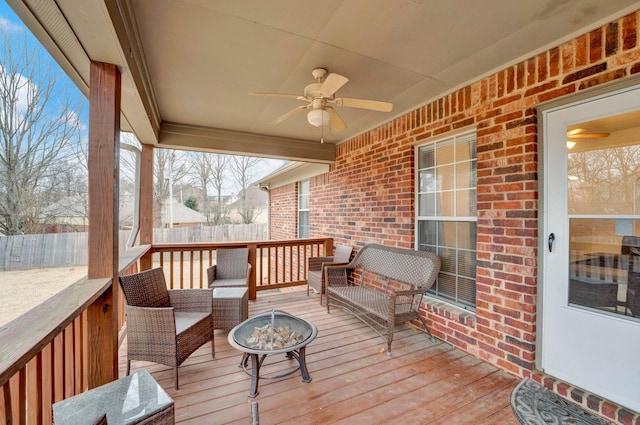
point(406, 276)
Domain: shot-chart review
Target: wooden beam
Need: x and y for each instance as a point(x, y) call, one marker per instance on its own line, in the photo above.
point(104, 148)
point(179, 136)
point(146, 203)
point(122, 18)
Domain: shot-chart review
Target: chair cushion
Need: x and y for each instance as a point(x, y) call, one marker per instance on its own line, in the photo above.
point(146, 289)
point(185, 320)
point(342, 254)
point(314, 279)
point(225, 283)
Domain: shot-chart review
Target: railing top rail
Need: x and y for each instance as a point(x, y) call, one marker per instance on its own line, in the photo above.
point(24, 337)
point(199, 245)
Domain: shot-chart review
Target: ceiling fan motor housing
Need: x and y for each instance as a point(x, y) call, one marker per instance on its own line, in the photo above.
point(319, 74)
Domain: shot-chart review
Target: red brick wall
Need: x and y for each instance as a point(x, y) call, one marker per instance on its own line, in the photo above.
point(368, 196)
point(283, 212)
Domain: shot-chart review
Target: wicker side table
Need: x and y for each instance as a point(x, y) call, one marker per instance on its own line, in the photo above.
point(230, 307)
point(134, 399)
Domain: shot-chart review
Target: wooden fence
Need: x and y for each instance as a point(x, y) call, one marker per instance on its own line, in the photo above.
point(70, 249)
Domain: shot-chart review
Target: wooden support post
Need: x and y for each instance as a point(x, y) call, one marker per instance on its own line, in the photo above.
point(104, 155)
point(328, 247)
point(146, 204)
point(253, 249)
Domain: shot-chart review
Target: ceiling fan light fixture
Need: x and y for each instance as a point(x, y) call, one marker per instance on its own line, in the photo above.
point(318, 117)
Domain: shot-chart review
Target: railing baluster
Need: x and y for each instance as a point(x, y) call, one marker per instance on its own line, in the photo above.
point(269, 249)
point(201, 276)
point(39, 390)
point(47, 381)
point(181, 269)
point(171, 270)
point(67, 359)
point(33, 392)
point(22, 400)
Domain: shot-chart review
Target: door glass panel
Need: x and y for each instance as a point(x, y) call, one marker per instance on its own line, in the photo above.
point(603, 201)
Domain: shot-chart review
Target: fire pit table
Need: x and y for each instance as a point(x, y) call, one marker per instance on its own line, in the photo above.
point(272, 332)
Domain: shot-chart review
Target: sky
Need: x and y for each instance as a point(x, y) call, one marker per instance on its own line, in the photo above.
point(10, 22)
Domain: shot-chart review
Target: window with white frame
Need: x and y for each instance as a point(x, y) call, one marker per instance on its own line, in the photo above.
point(303, 209)
point(446, 215)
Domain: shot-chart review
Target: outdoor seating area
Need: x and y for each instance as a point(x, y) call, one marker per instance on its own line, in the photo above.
point(424, 382)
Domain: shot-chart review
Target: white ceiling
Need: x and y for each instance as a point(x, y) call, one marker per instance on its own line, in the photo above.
point(190, 64)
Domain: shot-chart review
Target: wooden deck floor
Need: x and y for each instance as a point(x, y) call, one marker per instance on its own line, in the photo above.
point(353, 380)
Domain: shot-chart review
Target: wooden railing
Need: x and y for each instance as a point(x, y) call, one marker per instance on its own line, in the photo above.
point(274, 264)
point(43, 353)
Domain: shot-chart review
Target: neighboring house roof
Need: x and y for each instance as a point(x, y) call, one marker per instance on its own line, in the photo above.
point(75, 207)
point(67, 210)
point(181, 213)
point(257, 197)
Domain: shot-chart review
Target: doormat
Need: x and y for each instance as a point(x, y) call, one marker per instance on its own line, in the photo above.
point(534, 404)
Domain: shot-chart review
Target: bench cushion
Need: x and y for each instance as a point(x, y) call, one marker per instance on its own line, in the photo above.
point(367, 299)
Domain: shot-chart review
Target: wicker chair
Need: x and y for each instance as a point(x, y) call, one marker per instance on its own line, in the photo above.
point(315, 268)
point(165, 326)
point(232, 268)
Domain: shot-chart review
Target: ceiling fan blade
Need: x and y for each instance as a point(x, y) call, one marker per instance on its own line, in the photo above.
point(332, 84)
point(289, 114)
point(334, 119)
point(285, 95)
point(374, 105)
point(588, 136)
point(575, 131)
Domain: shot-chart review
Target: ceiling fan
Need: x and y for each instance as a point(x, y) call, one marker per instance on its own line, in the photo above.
point(320, 95)
point(581, 133)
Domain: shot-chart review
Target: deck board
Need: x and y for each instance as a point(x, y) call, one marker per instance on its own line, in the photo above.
point(353, 380)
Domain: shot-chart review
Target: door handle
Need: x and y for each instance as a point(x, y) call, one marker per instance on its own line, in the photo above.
point(552, 238)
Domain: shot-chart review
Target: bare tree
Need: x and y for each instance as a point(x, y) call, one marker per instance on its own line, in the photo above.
point(219, 171)
point(169, 167)
point(38, 126)
point(201, 169)
point(252, 201)
point(604, 180)
point(243, 173)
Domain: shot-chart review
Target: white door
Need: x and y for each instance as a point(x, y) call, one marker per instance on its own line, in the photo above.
point(590, 226)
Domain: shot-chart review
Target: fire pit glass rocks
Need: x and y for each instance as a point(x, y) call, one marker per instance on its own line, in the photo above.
point(272, 332)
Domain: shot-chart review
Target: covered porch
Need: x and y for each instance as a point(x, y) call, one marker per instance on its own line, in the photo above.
point(114, 51)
